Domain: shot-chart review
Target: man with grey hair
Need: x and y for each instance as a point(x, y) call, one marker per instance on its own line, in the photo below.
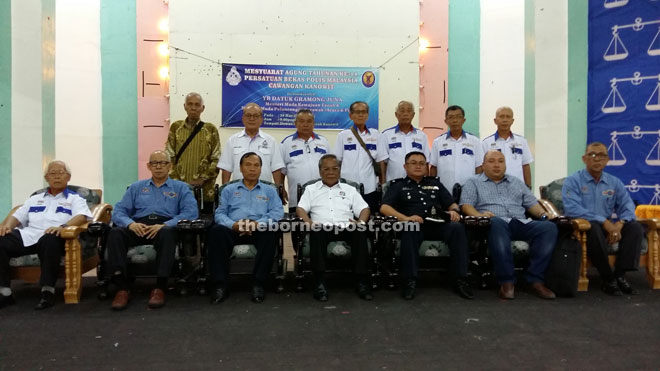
point(396, 142)
point(35, 229)
point(252, 139)
point(194, 147)
point(148, 214)
point(513, 146)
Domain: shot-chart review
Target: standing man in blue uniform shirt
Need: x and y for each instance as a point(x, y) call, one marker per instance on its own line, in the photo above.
point(357, 163)
point(245, 206)
point(456, 155)
point(35, 229)
point(514, 147)
point(148, 214)
point(603, 200)
point(396, 142)
point(301, 152)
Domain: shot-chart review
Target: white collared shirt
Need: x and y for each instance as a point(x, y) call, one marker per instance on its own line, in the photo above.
point(394, 145)
point(355, 163)
point(456, 159)
point(44, 210)
point(302, 161)
point(332, 205)
point(515, 149)
point(263, 144)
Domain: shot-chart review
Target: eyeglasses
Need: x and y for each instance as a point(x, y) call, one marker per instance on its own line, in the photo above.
point(252, 116)
point(158, 163)
point(416, 163)
point(451, 117)
point(600, 155)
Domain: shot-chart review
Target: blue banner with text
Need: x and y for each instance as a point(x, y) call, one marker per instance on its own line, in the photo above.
point(282, 90)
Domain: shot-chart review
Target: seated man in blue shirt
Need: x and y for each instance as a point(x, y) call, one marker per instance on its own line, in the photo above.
point(35, 229)
point(246, 207)
point(148, 214)
point(504, 199)
point(603, 200)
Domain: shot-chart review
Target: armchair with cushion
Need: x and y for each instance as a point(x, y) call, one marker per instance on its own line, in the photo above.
point(551, 200)
point(81, 248)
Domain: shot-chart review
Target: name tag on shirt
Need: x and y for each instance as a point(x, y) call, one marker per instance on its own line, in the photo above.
point(64, 210)
point(417, 145)
point(36, 209)
point(319, 150)
point(445, 152)
point(350, 147)
point(395, 145)
point(516, 150)
point(296, 153)
point(467, 151)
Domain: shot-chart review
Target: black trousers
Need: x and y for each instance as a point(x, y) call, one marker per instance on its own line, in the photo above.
point(121, 239)
point(627, 257)
point(452, 233)
point(49, 248)
point(220, 242)
point(372, 200)
point(319, 240)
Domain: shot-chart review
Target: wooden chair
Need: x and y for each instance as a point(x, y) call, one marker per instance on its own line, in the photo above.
point(551, 200)
point(80, 251)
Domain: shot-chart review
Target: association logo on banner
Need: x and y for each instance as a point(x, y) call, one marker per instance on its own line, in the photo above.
point(282, 90)
point(624, 91)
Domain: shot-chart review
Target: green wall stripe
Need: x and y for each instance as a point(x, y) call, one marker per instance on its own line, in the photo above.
point(530, 78)
point(464, 70)
point(48, 79)
point(5, 108)
point(119, 96)
point(578, 18)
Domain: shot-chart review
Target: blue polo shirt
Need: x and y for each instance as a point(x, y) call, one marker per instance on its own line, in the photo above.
point(237, 202)
point(173, 199)
point(586, 199)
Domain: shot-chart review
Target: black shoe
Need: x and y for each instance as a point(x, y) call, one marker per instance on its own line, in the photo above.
point(47, 300)
point(6, 301)
point(364, 291)
point(321, 292)
point(625, 286)
point(219, 295)
point(463, 289)
point(611, 288)
point(258, 294)
point(408, 291)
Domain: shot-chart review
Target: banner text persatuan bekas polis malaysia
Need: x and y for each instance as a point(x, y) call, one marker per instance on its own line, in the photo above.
point(282, 90)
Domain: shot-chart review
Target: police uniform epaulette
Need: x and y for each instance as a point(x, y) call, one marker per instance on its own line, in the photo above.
point(394, 181)
point(428, 177)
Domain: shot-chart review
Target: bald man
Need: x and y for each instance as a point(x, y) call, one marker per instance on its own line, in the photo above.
point(504, 199)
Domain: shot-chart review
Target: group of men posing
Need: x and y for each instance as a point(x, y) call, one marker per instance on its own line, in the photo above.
point(494, 175)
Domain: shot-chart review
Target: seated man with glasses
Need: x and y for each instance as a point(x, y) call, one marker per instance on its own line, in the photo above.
point(414, 199)
point(35, 229)
point(148, 214)
point(603, 200)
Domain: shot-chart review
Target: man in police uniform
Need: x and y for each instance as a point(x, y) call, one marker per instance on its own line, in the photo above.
point(513, 146)
point(330, 203)
point(603, 200)
point(148, 214)
point(252, 139)
point(356, 164)
point(35, 229)
point(457, 155)
point(197, 164)
point(394, 143)
point(243, 206)
point(301, 152)
point(413, 199)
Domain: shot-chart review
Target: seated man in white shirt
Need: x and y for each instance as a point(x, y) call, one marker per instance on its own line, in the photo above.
point(334, 206)
point(35, 229)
